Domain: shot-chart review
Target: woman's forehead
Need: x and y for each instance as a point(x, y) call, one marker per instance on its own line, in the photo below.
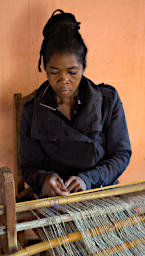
point(67, 60)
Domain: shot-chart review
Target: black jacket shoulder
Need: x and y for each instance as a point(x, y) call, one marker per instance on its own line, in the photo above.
point(106, 89)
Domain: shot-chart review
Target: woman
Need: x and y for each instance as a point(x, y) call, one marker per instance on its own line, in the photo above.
point(73, 133)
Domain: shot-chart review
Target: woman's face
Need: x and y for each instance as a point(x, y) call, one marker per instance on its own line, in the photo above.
point(64, 72)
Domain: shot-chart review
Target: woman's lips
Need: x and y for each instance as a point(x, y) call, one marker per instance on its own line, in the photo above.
point(64, 92)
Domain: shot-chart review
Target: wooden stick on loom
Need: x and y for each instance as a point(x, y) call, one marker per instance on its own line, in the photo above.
point(70, 238)
point(80, 196)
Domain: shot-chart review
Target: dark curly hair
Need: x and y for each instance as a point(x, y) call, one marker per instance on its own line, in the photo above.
point(61, 35)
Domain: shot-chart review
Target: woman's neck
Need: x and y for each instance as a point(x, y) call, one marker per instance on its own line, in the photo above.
point(66, 105)
point(64, 101)
point(68, 101)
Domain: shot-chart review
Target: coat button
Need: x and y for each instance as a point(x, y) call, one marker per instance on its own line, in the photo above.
point(89, 141)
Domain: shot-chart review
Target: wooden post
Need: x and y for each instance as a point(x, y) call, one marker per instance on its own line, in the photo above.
point(19, 182)
point(8, 200)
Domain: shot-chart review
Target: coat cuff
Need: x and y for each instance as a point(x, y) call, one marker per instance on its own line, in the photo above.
point(86, 179)
point(92, 181)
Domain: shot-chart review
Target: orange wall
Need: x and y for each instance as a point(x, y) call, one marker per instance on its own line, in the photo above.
point(114, 32)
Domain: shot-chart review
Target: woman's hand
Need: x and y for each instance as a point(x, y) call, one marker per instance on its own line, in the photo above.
point(75, 184)
point(54, 186)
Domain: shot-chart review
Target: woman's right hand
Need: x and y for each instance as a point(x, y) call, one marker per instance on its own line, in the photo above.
point(54, 186)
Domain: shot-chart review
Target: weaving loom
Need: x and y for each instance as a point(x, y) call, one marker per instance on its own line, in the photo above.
point(104, 221)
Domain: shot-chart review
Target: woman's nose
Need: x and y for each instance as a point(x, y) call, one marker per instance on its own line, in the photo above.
point(64, 78)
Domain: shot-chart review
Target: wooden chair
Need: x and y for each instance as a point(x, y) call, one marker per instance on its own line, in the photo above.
point(22, 193)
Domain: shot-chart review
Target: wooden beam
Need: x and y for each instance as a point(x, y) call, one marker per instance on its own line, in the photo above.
point(81, 196)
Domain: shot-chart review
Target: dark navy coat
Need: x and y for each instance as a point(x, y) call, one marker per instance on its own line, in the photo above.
point(93, 145)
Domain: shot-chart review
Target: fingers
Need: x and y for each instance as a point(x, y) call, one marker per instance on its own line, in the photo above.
point(69, 180)
point(74, 187)
point(54, 186)
point(60, 189)
point(75, 184)
point(61, 184)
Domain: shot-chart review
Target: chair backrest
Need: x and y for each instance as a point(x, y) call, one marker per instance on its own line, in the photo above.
point(19, 101)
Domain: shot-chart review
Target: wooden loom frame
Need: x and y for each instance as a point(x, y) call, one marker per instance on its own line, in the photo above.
point(8, 204)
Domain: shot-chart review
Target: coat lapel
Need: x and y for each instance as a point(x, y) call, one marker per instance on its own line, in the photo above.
point(46, 124)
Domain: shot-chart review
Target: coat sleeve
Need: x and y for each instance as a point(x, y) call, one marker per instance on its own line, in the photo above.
point(117, 147)
point(32, 156)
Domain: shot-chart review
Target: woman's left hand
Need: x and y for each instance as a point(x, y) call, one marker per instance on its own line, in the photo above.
point(75, 184)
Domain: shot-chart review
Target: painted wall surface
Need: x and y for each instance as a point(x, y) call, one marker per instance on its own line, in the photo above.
point(114, 32)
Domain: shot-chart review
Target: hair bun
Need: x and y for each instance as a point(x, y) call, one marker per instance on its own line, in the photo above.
point(69, 25)
point(57, 10)
point(59, 20)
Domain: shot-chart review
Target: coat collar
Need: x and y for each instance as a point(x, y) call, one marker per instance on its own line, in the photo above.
point(47, 124)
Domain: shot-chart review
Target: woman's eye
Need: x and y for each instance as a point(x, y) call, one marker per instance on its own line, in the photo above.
point(72, 73)
point(53, 73)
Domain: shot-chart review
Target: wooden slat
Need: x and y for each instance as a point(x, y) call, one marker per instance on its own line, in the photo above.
point(18, 105)
point(81, 196)
point(19, 183)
